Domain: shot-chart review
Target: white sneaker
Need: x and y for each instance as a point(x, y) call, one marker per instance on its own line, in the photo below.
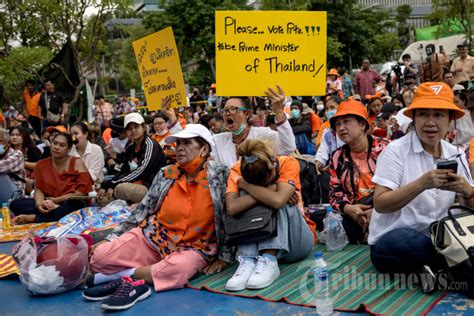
point(238, 281)
point(264, 274)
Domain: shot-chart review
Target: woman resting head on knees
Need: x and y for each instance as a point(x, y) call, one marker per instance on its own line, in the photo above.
point(410, 192)
point(261, 177)
point(142, 160)
point(174, 232)
point(236, 114)
point(352, 168)
point(91, 154)
point(60, 181)
point(12, 170)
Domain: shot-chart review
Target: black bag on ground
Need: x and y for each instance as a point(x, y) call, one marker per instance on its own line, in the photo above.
point(256, 224)
point(314, 187)
point(453, 237)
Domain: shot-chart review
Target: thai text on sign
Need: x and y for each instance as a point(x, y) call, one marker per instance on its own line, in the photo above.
point(160, 69)
point(257, 49)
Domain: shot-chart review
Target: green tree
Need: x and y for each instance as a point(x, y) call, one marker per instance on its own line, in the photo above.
point(403, 29)
point(22, 63)
point(193, 26)
point(54, 22)
point(447, 13)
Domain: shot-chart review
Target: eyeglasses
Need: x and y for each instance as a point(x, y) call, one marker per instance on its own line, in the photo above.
point(233, 110)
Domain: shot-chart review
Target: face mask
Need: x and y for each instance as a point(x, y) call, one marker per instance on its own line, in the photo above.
point(133, 165)
point(191, 166)
point(330, 114)
point(2, 149)
point(163, 132)
point(320, 107)
point(240, 130)
point(295, 113)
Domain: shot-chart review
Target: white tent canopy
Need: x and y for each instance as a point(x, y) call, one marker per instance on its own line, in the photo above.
point(417, 53)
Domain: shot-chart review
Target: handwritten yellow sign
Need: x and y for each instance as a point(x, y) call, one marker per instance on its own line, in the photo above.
point(160, 69)
point(257, 49)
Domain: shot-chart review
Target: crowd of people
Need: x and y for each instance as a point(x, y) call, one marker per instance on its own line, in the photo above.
point(183, 170)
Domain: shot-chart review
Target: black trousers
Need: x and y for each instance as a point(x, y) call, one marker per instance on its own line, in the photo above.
point(27, 206)
point(36, 124)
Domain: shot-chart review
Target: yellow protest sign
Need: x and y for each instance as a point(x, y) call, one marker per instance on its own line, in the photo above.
point(160, 69)
point(257, 49)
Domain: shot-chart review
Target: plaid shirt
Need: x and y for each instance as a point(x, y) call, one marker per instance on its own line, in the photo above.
point(343, 173)
point(105, 112)
point(13, 165)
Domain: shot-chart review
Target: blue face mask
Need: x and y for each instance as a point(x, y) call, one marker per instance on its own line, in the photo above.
point(2, 149)
point(330, 114)
point(295, 113)
point(240, 130)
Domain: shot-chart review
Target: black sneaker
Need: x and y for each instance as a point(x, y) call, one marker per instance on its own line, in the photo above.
point(101, 292)
point(127, 294)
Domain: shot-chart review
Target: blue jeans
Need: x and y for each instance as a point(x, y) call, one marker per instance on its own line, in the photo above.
point(8, 190)
point(405, 250)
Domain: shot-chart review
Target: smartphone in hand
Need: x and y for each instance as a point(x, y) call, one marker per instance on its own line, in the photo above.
point(448, 165)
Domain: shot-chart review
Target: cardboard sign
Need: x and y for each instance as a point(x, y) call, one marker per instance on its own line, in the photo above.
point(160, 69)
point(257, 49)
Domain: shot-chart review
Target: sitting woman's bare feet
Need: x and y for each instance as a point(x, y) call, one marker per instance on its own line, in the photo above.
point(24, 219)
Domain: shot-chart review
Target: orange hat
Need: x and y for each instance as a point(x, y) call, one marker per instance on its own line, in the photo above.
point(351, 107)
point(59, 128)
point(213, 86)
point(434, 95)
point(370, 97)
point(333, 72)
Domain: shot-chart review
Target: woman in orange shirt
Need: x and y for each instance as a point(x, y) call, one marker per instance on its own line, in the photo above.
point(273, 181)
point(172, 234)
point(59, 180)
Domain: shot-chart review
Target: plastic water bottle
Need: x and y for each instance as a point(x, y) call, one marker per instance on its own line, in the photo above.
point(336, 238)
point(324, 304)
point(6, 224)
point(93, 196)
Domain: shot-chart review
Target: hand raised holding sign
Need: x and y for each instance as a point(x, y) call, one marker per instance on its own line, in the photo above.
point(167, 110)
point(277, 99)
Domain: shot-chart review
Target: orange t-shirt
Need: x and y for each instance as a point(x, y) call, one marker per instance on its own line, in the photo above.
point(365, 185)
point(55, 184)
point(471, 151)
point(289, 172)
point(186, 217)
point(322, 128)
point(32, 103)
point(107, 135)
point(315, 122)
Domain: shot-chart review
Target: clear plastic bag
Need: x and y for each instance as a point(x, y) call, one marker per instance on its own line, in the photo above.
point(52, 265)
point(336, 238)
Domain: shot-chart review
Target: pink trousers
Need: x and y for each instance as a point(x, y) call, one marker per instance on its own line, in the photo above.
point(131, 250)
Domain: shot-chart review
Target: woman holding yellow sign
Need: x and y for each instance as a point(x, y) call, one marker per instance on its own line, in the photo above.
point(236, 114)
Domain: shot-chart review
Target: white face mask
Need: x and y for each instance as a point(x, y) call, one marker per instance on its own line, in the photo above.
point(133, 165)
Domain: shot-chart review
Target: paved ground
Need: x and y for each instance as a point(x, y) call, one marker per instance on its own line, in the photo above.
point(14, 300)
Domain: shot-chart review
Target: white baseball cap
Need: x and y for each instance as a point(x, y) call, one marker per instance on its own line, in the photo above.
point(191, 131)
point(133, 118)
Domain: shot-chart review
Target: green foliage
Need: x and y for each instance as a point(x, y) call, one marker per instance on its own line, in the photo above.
point(193, 25)
point(22, 63)
point(403, 29)
point(447, 13)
